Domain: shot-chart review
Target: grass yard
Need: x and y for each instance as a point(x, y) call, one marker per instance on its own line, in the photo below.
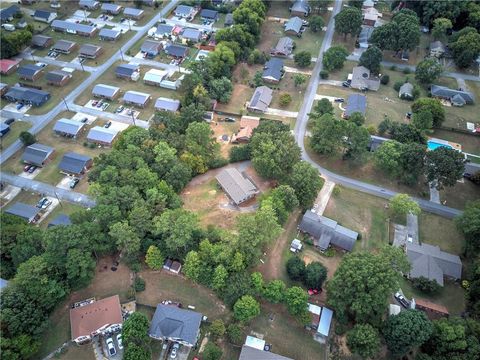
point(221, 129)
point(287, 85)
point(279, 9)
point(459, 195)
point(470, 142)
point(240, 95)
point(63, 207)
point(75, 352)
point(436, 230)
point(15, 129)
point(459, 116)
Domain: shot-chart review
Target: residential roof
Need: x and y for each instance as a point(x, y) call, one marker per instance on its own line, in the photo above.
point(261, 98)
point(249, 353)
point(209, 14)
point(28, 70)
point(437, 45)
point(173, 322)
point(105, 90)
point(9, 12)
point(300, 6)
point(249, 121)
point(273, 69)
point(164, 29)
point(43, 14)
point(37, 153)
point(326, 231)
point(376, 141)
point(167, 104)
point(84, 320)
point(57, 75)
point(136, 97)
point(176, 50)
point(89, 49)
point(192, 34)
point(68, 126)
point(229, 19)
point(88, 3)
point(362, 78)
point(236, 185)
point(40, 40)
point(406, 89)
point(126, 69)
point(151, 46)
point(183, 10)
point(7, 64)
point(325, 321)
point(26, 94)
point(109, 33)
point(61, 219)
point(294, 24)
point(101, 134)
point(68, 25)
point(27, 212)
point(111, 7)
point(74, 163)
point(64, 45)
point(356, 103)
point(255, 342)
point(457, 99)
point(284, 45)
point(447, 93)
point(133, 12)
point(431, 262)
point(471, 168)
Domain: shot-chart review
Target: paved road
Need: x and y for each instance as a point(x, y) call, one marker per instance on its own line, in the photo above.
point(301, 125)
point(48, 190)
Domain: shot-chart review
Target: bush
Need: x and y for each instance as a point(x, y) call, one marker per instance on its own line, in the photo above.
point(336, 191)
point(398, 85)
point(212, 352)
point(426, 285)
point(217, 329)
point(384, 79)
point(239, 153)
point(330, 252)
point(26, 138)
point(235, 334)
point(139, 284)
point(372, 130)
point(406, 70)
point(285, 99)
point(324, 74)
point(295, 268)
point(303, 59)
point(393, 68)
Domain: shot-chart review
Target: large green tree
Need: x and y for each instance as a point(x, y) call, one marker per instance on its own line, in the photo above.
point(402, 33)
point(296, 300)
point(334, 57)
point(349, 21)
point(466, 49)
point(428, 71)
point(469, 224)
point(403, 204)
point(444, 166)
point(364, 340)
point(246, 308)
point(440, 28)
point(315, 275)
point(306, 182)
point(371, 59)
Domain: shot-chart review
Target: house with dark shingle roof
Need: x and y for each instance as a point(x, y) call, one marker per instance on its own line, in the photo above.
point(105, 91)
point(273, 71)
point(58, 77)
point(294, 26)
point(261, 99)
point(446, 93)
point(37, 154)
point(176, 51)
point(64, 46)
point(27, 212)
point(193, 35)
point(68, 127)
point(27, 95)
point(44, 16)
point(75, 164)
point(163, 30)
point(151, 48)
point(300, 8)
point(175, 324)
point(9, 13)
point(237, 187)
point(76, 28)
point(355, 103)
point(42, 41)
point(29, 72)
point(60, 220)
point(184, 11)
point(90, 51)
point(362, 79)
point(210, 15)
point(284, 47)
point(128, 71)
point(110, 8)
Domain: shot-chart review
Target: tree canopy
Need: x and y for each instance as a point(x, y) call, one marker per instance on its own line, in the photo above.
point(349, 21)
point(371, 59)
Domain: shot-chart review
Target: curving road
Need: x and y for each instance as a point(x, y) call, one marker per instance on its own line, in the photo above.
point(301, 125)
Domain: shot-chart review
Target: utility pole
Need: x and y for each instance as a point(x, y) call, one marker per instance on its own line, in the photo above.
point(121, 54)
point(58, 199)
point(65, 102)
point(133, 118)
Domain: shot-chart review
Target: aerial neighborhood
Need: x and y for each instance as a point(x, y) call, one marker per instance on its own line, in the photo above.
point(240, 179)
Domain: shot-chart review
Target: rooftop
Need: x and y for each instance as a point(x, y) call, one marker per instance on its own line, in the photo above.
point(27, 212)
point(235, 185)
point(356, 103)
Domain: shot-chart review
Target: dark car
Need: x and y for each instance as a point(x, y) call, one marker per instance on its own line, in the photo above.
point(339, 100)
point(401, 299)
point(32, 169)
point(107, 125)
point(27, 167)
point(73, 183)
point(346, 84)
point(229, 119)
point(9, 121)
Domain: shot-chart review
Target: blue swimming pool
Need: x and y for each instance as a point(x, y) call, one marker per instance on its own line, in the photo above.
point(432, 145)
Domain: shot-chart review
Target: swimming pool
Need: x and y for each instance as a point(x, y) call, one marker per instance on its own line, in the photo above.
point(432, 145)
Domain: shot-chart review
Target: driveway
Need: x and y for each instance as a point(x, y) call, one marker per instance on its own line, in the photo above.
point(289, 69)
point(279, 112)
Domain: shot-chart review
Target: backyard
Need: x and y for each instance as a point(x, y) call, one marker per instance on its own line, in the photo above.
point(15, 129)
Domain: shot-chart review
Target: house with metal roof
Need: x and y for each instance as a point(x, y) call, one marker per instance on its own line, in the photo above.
point(323, 330)
point(185, 11)
point(44, 16)
point(68, 127)
point(102, 136)
point(174, 324)
point(27, 95)
point(176, 51)
point(362, 79)
point(273, 71)
point(284, 47)
point(74, 28)
point(109, 34)
point(60, 220)
point(210, 15)
point(9, 13)
point(406, 91)
point(133, 13)
point(432, 263)
point(376, 142)
point(58, 77)
point(250, 353)
point(90, 51)
point(75, 164)
point(105, 91)
point(29, 72)
point(355, 103)
point(42, 41)
point(8, 66)
point(446, 93)
point(27, 212)
point(151, 48)
point(163, 30)
point(190, 34)
point(89, 4)
point(128, 71)
point(166, 104)
point(237, 187)
point(37, 154)
point(154, 76)
point(136, 98)
point(261, 99)
point(110, 8)
point(64, 46)
point(294, 26)
point(300, 8)
point(326, 232)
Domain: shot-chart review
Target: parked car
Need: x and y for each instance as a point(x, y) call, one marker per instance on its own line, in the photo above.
point(99, 104)
point(9, 121)
point(107, 125)
point(105, 106)
point(229, 119)
point(119, 341)
point(119, 109)
point(339, 100)
point(111, 347)
point(73, 183)
point(401, 299)
point(94, 103)
point(84, 120)
point(41, 202)
point(46, 203)
point(19, 106)
point(41, 64)
point(173, 353)
point(408, 115)
point(130, 112)
point(27, 167)
point(32, 169)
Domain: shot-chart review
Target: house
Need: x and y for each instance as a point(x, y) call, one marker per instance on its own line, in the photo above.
point(294, 26)
point(175, 324)
point(89, 4)
point(151, 48)
point(44, 16)
point(128, 71)
point(105, 91)
point(300, 8)
point(109, 34)
point(228, 20)
point(273, 71)
point(367, 4)
point(42, 41)
point(238, 188)
point(8, 66)
point(247, 125)
point(437, 49)
point(209, 15)
point(37, 154)
point(94, 318)
point(250, 353)
point(405, 55)
point(323, 330)
point(192, 35)
point(166, 104)
point(60, 220)
point(136, 98)
point(284, 47)
point(133, 13)
point(7, 14)
point(362, 79)
point(58, 77)
point(406, 91)
point(149, 2)
point(364, 36)
point(446, 93)
point(432, 263)
point(296, 246)
point(64, 46)
point(90, 51)
point(29, 72)
point(261, 99)
point(28, 2)
point(102, 136)
point(163, 30)
point(27, 95)
point(110, 8)
point(155, 77)
point(176, 51)
point(375, 142)
point(75, 164)
point(184, 11)
point(370, 18)
point(434, 311)
point(27, 212)
point(74, 28)
point(68, 127)
point(355, 103)
point(326, 232)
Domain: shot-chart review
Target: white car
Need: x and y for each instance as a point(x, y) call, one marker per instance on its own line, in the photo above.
point(119, 341)
point(111, 347)
point(173, 353)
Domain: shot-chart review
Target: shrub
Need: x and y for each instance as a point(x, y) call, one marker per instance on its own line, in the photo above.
point(27, 138)
point(239, 153)
point(398, 85)
point(393, 68)
point(295, 268)
point(217, 328)
point(372, 130)
point(426, 285)
point(384, 79)
point(212, 352)
point(235, 334)
point(285, 99)
point(139, 284)
point(336, 191)
point(324, 74)
point(330, 252)
point(406, 70)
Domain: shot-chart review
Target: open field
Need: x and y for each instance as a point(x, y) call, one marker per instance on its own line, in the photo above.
point(15, 129)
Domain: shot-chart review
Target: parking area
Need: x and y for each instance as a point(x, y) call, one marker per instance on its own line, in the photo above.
point(112, 346)
point(171, 350)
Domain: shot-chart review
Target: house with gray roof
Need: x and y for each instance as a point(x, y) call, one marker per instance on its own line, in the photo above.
point(75, 164)
point(133, 13)
point(163, 30)
point(326, 232)
point(261, 99)
point(102, 136)
point(176, 51)
point(294, 26)
point(68, 127)
point(29, 72)
point(284, 47)
point(64, 46)
point(175, 324)
point(27, 212)
point(61, 219)
point(27, 95)
point(375, 142)
point(432, 263)
point(89, 4)
point(355, 103)
point(184, 11)
point(151, 48)
point(406, 91)
point(109, 34)
point(4, 129)
point(471, 169)
point(362, 79)
point(166, 104)
point(128, 71)
point(37, 154)
point(210, 15)
point(44, 16)
point(90, 51)
point(9, 13)
point(250, 353)
point(237, 187)
point(74, 28)
point(446, 93)
point(273, 71)
point(300, 8)
point(105, 91)
point(136, 98)
point(42, 41)
point(193, 35)
point(58, 77)
point(110, 8)
point(228, 20)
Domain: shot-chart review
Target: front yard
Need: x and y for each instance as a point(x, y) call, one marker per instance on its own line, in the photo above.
point(15, 129)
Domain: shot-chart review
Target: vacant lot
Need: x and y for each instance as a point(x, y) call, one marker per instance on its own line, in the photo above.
point(15, 129)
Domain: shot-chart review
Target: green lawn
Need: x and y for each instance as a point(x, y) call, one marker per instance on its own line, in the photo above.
point(459, 195)
point(74, 352)
point(436, 230)
point(15, 129)
point(287, 85)
point(65, 208)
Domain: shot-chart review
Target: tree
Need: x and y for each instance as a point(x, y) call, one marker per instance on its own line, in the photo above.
point(349, 21)
point(235, 334)
point(295, 268)
point(212, 352)
point(274, 292)
point(306, 182)
point(246, 308)
point(469, 224)
point(407, 134)
point(334, 57)
point(426, 285)
point(323, 106)
point(316, 23)
point(357, 141)
point(27, 138)
point(296, 300)
point(257, 282)
point(135, 329)
point(412, 162)
point(154, 258)
point(192, 266)
point(363, 340)
point(387, 157)
point(444, 166)
point(315, 275)
point(217, 328)
point(303, 59)
point(357, 118)
point(405, 331)
point(402, 204)
point(466, 49)
point(363, 282)
point(428, 70)
point(299, 79)
point(136, 352)
point(402, 33)
point(285, 99)
point(371, 59)
point(219, 277)
point(221, 89)
point(440, 28)
point(423, 120)
point(327, 135)
point(434, 106)
point(126, 239)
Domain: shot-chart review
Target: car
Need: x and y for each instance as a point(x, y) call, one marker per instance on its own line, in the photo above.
point(119, 341)
point(84, 120)
point(119, 109)
point(346, 84)
point(45, 203)
point(19, 106)
point(111, 347)
point(41, 64)
point(9, 121)
point(41, 202)
point(94, 103)
point(164, 345)
point(107, 125)
point(408, 115)
point(229, 119)
point(401, 299)
point(32, 169)
point(339, 100)
point(173, 353)
point(105, 106)
point(27, 167)
point(409, 238)
point(73, 183)
point(130, 112)
point(99, 104)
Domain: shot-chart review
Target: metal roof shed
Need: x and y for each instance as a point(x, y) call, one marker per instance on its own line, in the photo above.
point(250, 353)
point(325, 322)
point(26, 212)
point(101, 135)
point(68, 126)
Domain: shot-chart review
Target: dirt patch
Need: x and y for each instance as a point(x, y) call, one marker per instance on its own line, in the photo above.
point(331, 263)
point(223, 132)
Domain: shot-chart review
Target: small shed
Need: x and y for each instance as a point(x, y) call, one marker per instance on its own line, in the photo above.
point(175, 267)
point(324, 325)
point(406, 91)
point(296, 246)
